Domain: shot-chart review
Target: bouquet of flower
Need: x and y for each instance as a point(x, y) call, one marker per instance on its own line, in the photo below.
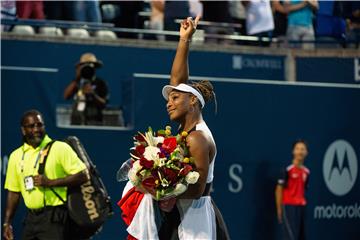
point(161, 164)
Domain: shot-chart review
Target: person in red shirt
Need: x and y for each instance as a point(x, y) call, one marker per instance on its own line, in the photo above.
point(290, 194)
point(30, 9)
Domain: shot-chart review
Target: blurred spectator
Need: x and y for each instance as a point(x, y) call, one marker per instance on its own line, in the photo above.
point(217, 11)
point(259, 20)
point(352, 14)
point(175, 10)
point(8, 11)
point(129, 16)
point(330, 23)
point(83, 11)
point(300, 22)
point(109, 11)
point(280, 18)
point(87, 11)
point(30, 9)
point(195, 8)
point(60, 10)
point(157, 16)
point(238, 15)
point(90, 93)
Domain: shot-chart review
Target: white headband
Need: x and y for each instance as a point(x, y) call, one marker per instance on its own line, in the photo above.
point(183, 88)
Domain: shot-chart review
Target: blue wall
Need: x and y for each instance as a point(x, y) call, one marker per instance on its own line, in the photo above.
point(326, 69)
point(254, 128)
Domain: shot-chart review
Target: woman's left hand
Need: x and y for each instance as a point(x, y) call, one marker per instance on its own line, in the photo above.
point(167, 205)
point(188, 27)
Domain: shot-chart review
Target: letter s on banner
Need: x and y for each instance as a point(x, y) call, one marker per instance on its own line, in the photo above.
point(236, 184)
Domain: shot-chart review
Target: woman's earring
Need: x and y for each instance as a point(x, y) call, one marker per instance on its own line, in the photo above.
point(192, 109)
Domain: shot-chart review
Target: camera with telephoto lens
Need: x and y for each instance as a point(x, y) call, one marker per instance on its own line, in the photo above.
point(87, 70)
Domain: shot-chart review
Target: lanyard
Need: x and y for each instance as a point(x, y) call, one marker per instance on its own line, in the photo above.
point(36, 162)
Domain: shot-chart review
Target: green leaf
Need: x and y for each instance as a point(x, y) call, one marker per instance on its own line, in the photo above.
point(161, 132)
point(150, 130)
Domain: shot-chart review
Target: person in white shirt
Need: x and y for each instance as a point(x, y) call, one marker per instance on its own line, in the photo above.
point(259, 20)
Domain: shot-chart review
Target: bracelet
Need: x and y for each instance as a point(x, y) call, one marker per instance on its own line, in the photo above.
point(185, 40)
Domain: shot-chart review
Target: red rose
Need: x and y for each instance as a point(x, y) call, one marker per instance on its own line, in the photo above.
point(135, 153)
point(161, 155)
point(169, 144)
point(139, 138)
point(187, 168)
point(140, 149)
point(170, 174)
point(146, 163)
point(149, 184)
point(155, 174)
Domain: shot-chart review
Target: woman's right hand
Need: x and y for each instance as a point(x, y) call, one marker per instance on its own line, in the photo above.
point(167, 205)
point(188, 27)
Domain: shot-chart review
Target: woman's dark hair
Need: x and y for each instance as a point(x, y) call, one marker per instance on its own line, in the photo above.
point(300, 141)
point(32, 112)
point(205, 88)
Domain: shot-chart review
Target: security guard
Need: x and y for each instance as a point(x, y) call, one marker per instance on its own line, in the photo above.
point(47, 216)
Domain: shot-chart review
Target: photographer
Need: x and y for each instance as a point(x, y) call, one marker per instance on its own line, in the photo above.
point(89, 92)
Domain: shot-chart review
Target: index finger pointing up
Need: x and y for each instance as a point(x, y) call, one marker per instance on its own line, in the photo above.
point(197, 19)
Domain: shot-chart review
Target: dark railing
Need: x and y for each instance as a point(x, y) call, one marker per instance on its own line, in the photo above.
point(54, 23)
point(215, 24)
point(83, 25)
point(202, 35)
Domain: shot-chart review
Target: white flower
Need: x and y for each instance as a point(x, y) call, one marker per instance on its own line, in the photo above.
point(150, 138)
point(160, 162)
point(164, 182)
point(179, 189)
point(192, 177)
point(181, 151)
point(151, 153)
point(136, 166)
point(158, 140)
point(134, 179)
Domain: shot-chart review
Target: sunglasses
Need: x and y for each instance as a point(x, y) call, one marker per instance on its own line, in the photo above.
point(34, 125)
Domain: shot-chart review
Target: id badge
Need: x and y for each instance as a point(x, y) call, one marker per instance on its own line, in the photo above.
point(29, 183)
point(81, 106)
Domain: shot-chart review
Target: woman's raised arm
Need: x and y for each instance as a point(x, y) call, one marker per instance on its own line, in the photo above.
point(180, 67)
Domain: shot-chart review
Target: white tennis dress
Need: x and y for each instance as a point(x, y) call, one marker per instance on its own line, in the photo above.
point(197, 215)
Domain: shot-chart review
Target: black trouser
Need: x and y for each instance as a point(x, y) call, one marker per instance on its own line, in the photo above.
point(47, 223)
point(293, 222)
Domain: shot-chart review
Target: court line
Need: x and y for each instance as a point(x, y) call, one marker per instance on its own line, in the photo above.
point(30, 69)
point(253, 81)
